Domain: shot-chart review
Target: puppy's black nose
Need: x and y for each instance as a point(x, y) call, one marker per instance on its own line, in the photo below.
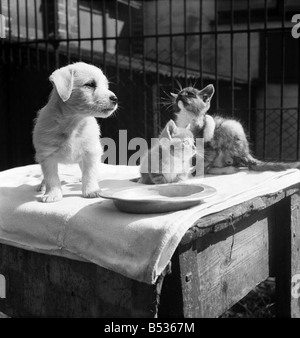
point(113, 99)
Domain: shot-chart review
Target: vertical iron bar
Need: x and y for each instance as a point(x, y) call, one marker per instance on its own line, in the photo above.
point(171, 42)
point(157, 70)
point(37, 53)
point(67, 31)
point(265, 77)
point(92, 29)
point(216, 56)
point(200, 42)
point(232, 56)
point(46, 32)
point(56, 42)
point(9, 32)
point(298, 129)
point(117, 41)
point(131, 85)
point(11, 117)
point(249, 64)
point(130, 40)
point(282, 78)
point(145, 86)
point(18, 33)
point(104, 34)
point(117, 53)
point(78, 31)
point(185, 43)
point(27, 34)
point(2, 40)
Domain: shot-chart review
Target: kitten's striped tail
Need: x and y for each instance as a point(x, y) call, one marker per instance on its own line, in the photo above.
point(256, 165)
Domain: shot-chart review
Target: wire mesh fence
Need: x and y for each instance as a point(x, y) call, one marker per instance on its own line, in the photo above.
point(147, 48)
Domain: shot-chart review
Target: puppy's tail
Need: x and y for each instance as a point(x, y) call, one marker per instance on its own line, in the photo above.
point(256, 165)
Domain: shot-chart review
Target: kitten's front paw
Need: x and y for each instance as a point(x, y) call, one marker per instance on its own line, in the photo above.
point(52, 196)
point(92, 194)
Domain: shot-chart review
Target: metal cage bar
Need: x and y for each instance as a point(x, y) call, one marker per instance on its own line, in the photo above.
point(265, 75)
point(185, 37)
point(9, 34)
point(232, 55)
point(104, 34)
point(79, 31)
point(18, 32)
point(37, 54)
point(46, 32)
point(216, 55)
point(2, 40)
point(282, 79)
point(167, 35)
point(67, 32)
point(249, 66)
point(201, 42)
point(298, 115)
point(92, 30)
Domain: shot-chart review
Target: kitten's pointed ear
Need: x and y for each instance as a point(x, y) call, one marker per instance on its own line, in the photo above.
point(174, 95)
point(207, 93)
point(169, 130)
point(63, 80)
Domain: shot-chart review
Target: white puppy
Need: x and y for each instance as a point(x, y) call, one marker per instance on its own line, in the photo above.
point(66, 130)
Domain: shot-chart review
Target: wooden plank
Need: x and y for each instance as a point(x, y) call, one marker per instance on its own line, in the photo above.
point(286, 250)
point(221, 268)
point(190, 283)
point(281, 252)
point(223, 219)
point(41, 285)
point(295, 254)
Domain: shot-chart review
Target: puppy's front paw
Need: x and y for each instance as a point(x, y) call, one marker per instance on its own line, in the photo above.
point(92, 194)
point(52, 196)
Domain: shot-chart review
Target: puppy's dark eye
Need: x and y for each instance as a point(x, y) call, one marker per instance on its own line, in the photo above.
point(91, 84)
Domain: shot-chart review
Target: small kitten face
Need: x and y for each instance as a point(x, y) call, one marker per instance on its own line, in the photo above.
point(193, 100)
point(169, 160)
point(192, 104)
point(181, 139)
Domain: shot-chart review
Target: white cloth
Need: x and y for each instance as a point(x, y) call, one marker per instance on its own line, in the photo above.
point(137, 246)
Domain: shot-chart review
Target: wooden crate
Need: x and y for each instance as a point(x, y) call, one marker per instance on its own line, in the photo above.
point(219, 260)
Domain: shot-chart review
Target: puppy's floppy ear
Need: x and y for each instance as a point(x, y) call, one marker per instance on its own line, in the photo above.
point(63, 80)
